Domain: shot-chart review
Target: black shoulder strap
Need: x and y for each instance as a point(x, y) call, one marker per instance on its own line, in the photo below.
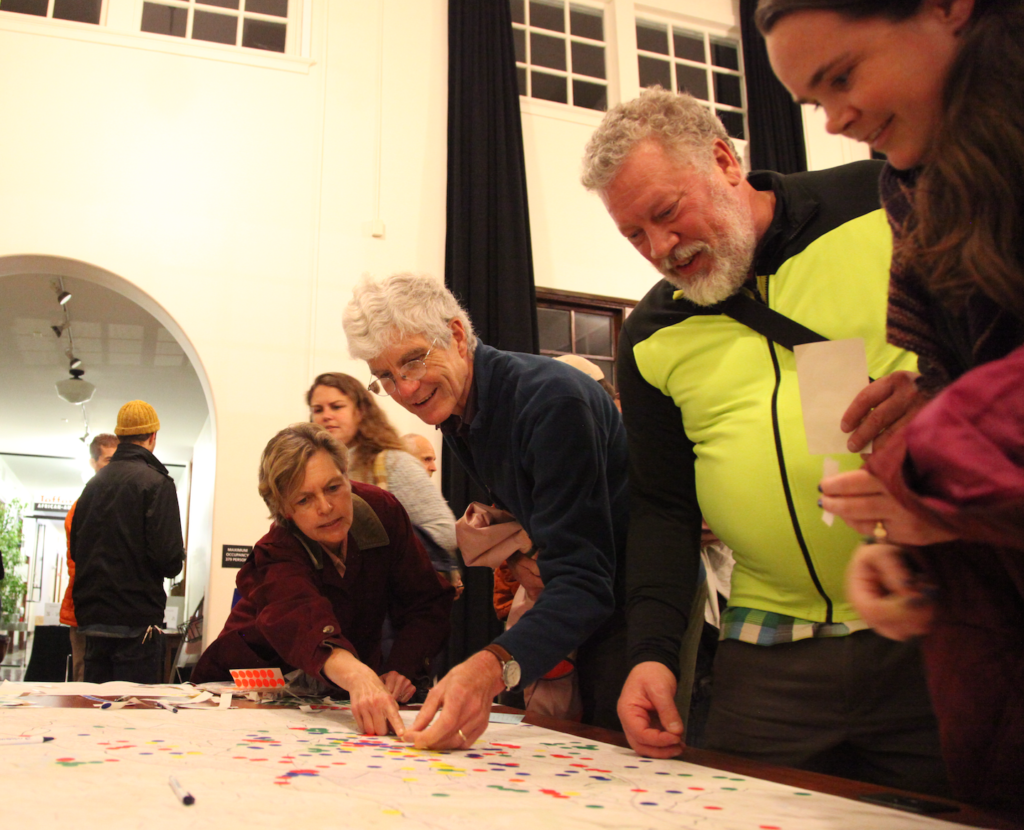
point(767, 321)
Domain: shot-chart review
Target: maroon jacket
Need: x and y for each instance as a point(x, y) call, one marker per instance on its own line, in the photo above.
point(295, 606)
point(960, 464)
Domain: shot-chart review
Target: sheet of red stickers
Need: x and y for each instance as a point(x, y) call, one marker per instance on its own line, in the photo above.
point(257, 678)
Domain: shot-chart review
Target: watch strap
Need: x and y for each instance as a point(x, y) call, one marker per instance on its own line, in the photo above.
point(501, 653)
point(507, 662)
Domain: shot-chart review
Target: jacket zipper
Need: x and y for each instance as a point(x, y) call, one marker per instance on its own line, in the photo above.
point(785, 477)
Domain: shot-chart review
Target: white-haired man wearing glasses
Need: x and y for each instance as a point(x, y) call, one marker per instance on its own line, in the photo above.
point(548, 445)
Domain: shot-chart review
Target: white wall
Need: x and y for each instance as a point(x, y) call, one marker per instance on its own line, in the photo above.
point(824, 150)
point(10, 486)
point(236, 194)
point(202, 474)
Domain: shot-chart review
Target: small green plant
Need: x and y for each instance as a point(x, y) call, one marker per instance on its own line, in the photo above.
point(13, 585)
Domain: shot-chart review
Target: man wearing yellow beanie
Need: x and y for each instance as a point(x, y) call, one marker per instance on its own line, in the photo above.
point(125, 540)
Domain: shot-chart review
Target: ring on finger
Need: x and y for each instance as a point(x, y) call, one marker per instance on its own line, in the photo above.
point(880, 534)
point(465, 740)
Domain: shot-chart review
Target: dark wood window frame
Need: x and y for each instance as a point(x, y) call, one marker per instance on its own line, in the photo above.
point(616, 308)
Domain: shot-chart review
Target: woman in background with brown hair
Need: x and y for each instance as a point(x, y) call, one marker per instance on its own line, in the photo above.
point(936, 85)
point(377, 456)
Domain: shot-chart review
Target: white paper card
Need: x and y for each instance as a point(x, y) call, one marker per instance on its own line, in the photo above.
point(830, 376)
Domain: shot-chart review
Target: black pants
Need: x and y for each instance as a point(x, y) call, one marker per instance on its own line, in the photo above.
point(135, 659)
point(854, 706)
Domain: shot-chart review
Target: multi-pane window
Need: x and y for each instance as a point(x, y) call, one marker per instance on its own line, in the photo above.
point(707, 67)
point(583, 324)
point(81, 11)
point(560, 52)
point(256, 24)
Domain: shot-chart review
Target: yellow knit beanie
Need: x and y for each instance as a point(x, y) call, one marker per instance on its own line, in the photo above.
point(136, 418)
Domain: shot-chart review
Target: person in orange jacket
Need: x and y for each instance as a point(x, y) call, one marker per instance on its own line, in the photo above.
point(100, 450)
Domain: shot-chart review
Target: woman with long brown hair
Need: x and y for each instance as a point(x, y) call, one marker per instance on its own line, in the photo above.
point(936, 86)
point(377, 456)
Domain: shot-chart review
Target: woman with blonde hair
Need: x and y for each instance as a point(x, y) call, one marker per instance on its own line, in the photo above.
point(344, 407)
point(315, 590)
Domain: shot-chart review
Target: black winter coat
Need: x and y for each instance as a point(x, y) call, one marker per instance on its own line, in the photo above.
point(125, 540)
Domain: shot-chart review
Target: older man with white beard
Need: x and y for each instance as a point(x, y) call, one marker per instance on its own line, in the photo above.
point(713, 419)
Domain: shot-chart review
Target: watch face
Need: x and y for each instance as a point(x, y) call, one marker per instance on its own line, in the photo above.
point(511, 674)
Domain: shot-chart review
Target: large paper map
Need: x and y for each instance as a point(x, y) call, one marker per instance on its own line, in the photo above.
point(285, 768)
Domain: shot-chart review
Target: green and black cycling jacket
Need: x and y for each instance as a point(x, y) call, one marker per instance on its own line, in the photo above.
point(713, 416)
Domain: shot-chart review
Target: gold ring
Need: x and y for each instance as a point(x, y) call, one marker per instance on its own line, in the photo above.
point(465, 740)
point(880, 533)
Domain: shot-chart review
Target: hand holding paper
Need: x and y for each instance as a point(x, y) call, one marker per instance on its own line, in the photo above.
point(881, 408)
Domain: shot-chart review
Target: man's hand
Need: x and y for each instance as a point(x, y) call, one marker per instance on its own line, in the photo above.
point(399, 686)
point(466, 693)
point(880, 409)
point(648, 711)
point(455, 578)
point(886, 594)
point(861, 500)
point(373, 706)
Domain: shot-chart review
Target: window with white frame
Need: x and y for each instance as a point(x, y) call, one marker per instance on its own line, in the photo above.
point(707, 66)
point(80, 11)
point(254, 24)
point(561, 52)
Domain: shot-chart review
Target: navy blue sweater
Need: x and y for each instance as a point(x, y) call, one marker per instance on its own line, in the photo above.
point(548, 444)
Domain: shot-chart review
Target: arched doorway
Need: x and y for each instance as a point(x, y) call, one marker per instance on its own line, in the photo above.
point(128, 347)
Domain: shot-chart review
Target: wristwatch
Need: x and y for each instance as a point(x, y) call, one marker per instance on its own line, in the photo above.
point(511, 673)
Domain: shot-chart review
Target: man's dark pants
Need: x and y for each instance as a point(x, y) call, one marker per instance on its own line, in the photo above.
point(854, 706)
point(135, 659)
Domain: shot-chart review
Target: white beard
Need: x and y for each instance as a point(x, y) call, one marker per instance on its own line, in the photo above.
point(730, 258)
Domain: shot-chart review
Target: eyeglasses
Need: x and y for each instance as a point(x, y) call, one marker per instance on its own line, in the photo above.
point(413, 370)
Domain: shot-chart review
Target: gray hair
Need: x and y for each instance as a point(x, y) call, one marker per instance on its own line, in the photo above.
point(684, 126)
point(382, 313)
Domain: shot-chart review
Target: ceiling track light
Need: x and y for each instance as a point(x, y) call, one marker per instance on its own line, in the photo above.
point(63, 295)
point(59, 328)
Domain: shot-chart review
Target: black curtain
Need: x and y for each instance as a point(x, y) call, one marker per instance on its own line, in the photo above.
point(488, 257)
point(776, 128)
